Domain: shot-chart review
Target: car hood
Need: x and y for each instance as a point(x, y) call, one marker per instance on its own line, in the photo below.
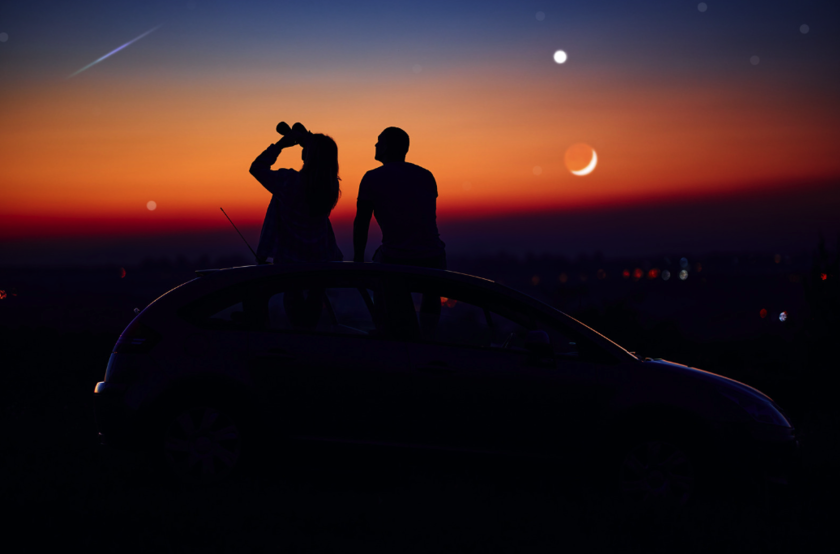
point(707, 377)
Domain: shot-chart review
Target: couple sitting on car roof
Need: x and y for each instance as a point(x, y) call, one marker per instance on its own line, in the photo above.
point(402, 196)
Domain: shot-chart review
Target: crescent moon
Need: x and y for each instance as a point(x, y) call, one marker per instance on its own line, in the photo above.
point(588, 169)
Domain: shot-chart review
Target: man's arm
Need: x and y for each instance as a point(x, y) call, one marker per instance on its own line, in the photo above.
point(361, 225)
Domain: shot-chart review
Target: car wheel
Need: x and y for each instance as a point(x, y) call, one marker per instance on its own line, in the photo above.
point(657, 473)
point(203, 444)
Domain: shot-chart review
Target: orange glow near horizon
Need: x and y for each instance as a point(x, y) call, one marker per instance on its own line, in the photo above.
point(86, 157)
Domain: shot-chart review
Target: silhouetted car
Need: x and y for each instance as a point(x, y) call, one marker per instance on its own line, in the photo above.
point(237, 359)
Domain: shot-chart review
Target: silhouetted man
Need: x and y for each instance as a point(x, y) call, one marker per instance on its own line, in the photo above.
point(403, 198)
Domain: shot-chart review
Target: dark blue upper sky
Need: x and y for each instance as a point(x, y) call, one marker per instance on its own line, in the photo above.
point(658, 38)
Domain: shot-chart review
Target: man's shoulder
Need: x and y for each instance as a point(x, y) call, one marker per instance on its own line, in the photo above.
point(419, 170)
point(398, 168)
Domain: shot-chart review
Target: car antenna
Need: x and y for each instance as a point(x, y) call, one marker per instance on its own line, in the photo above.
point(240, 234)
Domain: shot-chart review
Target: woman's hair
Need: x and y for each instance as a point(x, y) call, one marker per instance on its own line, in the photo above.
point(320, 175)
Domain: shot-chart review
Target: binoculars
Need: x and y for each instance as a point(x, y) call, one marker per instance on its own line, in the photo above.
point(297, 131)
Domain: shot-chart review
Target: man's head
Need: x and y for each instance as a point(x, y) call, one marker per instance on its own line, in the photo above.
point(392, 145)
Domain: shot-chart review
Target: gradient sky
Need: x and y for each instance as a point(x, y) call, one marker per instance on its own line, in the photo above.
point(679, 103)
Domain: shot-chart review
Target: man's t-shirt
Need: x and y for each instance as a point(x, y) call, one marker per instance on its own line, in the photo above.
point(404, 198)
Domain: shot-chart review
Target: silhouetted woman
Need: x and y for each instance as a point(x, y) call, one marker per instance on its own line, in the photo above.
point(297, 224)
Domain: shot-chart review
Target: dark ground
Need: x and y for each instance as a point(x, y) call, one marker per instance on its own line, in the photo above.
point(62, 490)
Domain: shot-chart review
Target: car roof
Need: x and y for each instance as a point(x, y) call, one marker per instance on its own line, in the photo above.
point(232, 275)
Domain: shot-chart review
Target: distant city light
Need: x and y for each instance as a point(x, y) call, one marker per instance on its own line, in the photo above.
point(653, 273)
point(637, 273)
point(762, 313)
point(683, 275)
point(754, 60)
point(540, 16)
point(702, 7)
point(666, 275)
point(683, 263)
point(448, 302)
point(537, 170)
point(2, 294)
point(151, 205)
point(560, 57)
point(823, 276)
point(783, 316)
point(122, 273)
point(804, 29)
point(626, 273)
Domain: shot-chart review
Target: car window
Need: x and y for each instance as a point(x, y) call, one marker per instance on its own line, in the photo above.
point(230, 314)
point(452, 320)
point(342, 310)
point(319, 305)
point(472, 317)
point(561, 342)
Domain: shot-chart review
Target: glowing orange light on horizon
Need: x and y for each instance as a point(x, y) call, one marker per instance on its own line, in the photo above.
point(823, 276)
point(2, 294)
point(190, 168)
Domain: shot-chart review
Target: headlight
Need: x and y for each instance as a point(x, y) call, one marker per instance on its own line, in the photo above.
point(759, 409)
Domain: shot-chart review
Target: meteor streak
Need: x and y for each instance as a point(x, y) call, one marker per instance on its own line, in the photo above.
point(109, 54)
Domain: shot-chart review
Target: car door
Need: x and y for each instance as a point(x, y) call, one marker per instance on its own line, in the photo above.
point(480, 384)
point(321, 354)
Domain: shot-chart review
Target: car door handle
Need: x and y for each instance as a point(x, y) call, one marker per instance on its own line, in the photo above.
point(437, 368)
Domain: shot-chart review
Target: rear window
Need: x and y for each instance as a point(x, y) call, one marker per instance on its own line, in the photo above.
point(331, 306)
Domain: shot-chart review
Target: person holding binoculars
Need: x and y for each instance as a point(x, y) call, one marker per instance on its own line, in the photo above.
point(297, 224)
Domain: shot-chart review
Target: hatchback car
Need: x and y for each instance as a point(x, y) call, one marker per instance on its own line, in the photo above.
point(238, 359)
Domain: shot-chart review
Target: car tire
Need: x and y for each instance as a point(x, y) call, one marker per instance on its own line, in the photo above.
point(204, 442)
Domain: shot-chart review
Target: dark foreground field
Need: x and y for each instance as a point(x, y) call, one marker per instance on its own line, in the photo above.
point(62, 490)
